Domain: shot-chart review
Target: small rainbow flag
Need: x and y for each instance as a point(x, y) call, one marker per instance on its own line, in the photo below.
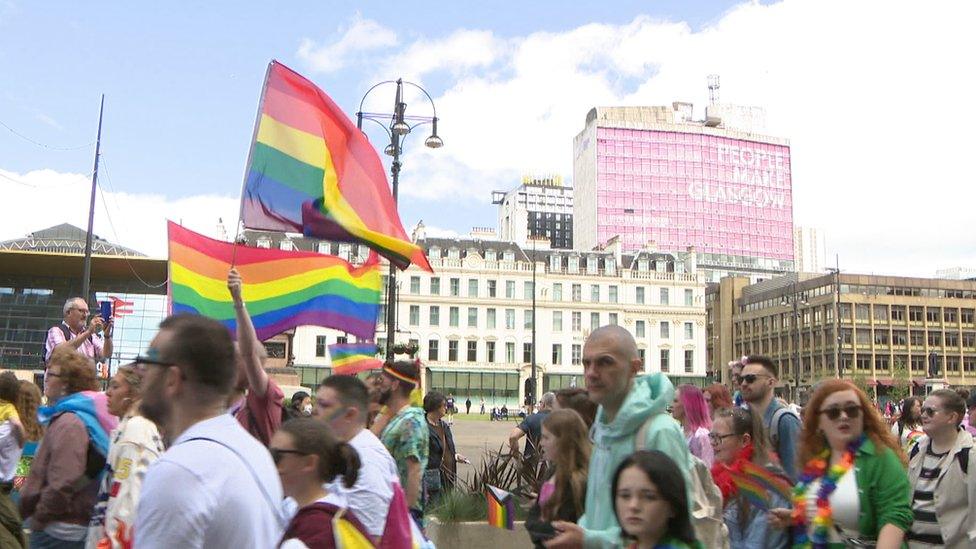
point(283, 289)
point(501, 508)
point(352, 358)
point(758, 484)
point(310, 170)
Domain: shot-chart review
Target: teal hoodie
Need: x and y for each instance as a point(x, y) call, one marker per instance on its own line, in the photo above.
point(614, 441)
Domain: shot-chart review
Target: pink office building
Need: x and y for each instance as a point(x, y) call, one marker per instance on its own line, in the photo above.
point(657, 179)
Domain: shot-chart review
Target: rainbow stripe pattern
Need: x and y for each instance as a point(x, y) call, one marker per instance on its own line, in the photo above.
point(501, 508)
point(282, 289)
point(310, 170)
point(352, 358)
point(758, 483)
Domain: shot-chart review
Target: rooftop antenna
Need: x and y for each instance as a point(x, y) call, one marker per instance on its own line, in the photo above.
point(713, 86)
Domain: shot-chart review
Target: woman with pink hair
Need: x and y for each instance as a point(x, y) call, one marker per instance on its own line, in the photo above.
point(691, 410)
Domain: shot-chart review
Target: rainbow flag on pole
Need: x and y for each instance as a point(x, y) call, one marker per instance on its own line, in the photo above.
point(282, 289)
point(501, 508)
point(352, 358)
point(312, 171)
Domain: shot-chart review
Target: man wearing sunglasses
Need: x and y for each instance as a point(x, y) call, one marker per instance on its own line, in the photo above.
point(941, 470)
point(89, 335)
point(215, 486)
point(782, 424)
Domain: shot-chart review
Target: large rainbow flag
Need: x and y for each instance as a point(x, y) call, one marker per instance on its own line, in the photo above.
point(352, 358)
point(310, 170)
point(282, 289)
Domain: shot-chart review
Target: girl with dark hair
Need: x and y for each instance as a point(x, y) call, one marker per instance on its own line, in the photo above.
point(308, 456)
point(750, 481)
point(651, 503)
point(565, 445)
point(908, 428)
point(442, 460)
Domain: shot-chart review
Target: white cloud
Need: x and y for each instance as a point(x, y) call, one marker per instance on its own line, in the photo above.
point(362, 35)
point(44, 198)
point(870, 93)
point(49, 121)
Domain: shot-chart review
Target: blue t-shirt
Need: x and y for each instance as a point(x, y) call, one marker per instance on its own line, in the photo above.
point(532, 427)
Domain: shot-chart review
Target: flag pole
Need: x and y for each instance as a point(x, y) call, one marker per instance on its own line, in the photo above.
point(86, 277)
point(247, 165)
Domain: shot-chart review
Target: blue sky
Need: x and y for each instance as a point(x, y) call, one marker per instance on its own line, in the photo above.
point(513, 82)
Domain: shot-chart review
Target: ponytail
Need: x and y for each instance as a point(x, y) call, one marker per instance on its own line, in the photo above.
point(347, 465)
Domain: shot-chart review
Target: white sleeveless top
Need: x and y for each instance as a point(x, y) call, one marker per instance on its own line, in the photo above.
point(845, 504)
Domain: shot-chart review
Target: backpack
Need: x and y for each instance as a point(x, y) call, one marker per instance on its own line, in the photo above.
point(706, 504)
point(962, 456)
point(67, 337)
point(777, 417)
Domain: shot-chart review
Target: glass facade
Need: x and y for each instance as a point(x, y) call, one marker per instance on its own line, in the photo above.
point(494, 387)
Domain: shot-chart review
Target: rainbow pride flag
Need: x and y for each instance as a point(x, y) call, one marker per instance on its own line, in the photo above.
point(352, 358)
point(282, 289)
point(501, 508)
point(310, 170)
point(347, 536)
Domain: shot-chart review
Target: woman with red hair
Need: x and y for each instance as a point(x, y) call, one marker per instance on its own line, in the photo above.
point(718, 397)
point(854, 489)
point(690, 409)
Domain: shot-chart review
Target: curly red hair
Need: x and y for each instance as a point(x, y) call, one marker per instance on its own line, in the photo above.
point(812, 442)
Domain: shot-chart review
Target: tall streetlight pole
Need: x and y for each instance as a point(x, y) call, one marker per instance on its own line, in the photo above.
point(397, 126)
point(532, 396)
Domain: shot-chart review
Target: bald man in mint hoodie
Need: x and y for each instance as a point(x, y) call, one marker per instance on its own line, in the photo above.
point(628, 405)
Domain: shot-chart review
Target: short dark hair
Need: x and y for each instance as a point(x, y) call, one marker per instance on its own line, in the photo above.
point(433, 401)
point(352, 392)
point(406, 369)
point(336, 458)
point(9, 386)
point(764, 361)
point(205, 347)
point(951, 401)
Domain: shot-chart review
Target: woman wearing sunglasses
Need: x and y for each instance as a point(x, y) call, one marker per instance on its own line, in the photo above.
point(750, 481)
point(308, 456)
point(853, 490)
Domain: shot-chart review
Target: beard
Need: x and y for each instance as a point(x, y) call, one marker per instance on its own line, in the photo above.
point(384, 396)
point(155, 407)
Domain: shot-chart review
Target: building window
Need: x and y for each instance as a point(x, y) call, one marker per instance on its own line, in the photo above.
point(472, 351)
point(577, 354)
point(510, 352)
point(594, 321)
point(689, 298)
point(665, 360)
point(415, 284)
point(452, 350)
point(689, 330)
point(665, 330)
point(640, 296)
point(613, 294)
point(414, 315)
point(491, 255)
point(689, 361)
point(639, 328)
point(510, 289)
point(472, 287)
point(454, 313)
point(665, 297)
point(490, 351)
point(528, 290)
point(321, 345)
point(528, 320)
point(435, 286)
point(435, 315)
point(492, 288)
point(557, 354)
point(640, 355)
point(472, 317)
point(613, 319)
point(455, 287)
point(577, 293)
point(557, 292)
point(509, 319)
point(595, 293)
point(527, 352)
point(557, 321)
point(491, 319)
point(432, 349)
point(577, 321)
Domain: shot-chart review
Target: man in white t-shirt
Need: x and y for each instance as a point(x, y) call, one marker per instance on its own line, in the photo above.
point(216, 486)
point(343, 403)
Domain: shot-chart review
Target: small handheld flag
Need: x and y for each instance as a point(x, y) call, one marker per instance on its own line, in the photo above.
point(501, 508)
point(352, 358)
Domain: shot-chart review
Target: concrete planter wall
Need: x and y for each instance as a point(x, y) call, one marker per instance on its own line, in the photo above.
point(477, 535)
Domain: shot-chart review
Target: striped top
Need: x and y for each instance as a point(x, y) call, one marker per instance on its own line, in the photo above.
point(925, 530)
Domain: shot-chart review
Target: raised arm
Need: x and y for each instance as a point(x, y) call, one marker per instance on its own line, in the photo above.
point(252, 351)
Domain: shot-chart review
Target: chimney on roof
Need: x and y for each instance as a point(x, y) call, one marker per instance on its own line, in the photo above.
point(419, 232)
point(691, 260)
point(616, 247)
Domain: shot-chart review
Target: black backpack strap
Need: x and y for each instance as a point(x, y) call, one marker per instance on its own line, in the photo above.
point(914, 451)
point(963, 456)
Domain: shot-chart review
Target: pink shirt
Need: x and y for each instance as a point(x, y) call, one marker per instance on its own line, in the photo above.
point(92, 347)
point(264, 411)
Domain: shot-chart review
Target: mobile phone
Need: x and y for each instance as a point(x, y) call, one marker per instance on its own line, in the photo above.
point(106, 310)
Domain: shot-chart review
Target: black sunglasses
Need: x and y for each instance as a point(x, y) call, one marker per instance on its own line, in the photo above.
point(852, 411)
point(278, 453)
point(930, 411)
point(751, 378)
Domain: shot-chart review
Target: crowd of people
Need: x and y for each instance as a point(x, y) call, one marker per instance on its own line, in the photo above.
point(194, 445)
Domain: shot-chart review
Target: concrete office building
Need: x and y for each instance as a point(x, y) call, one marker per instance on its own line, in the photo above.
point(540, 208)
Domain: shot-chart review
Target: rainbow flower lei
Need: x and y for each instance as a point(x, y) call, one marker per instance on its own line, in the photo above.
point(824, 519)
